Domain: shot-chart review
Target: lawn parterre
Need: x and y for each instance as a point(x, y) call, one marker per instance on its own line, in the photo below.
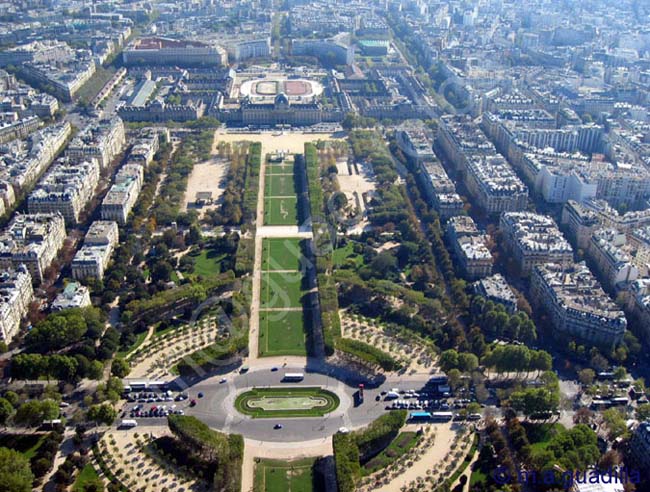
point(281, 290)
point(286, 402)
point(282, 333)
point(280, 185)
point(283, 476)
point(282, 254)
point(281, 211)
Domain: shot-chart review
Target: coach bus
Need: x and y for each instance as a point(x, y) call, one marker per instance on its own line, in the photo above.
point(419, 416)
point(293, 376)
point(442, 416)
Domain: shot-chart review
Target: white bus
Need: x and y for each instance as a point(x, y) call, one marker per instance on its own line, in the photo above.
point(128, 424)
point(293, 376)
point(441, 416)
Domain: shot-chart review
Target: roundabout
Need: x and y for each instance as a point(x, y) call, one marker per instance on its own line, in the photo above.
point(286, 402)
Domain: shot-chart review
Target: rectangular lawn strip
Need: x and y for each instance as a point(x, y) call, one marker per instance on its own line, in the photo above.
point(400, 445)
point(279, 185)
point(279, 169)
point(283, 476)
point(281, 290)
point(281, 211)
point(282, 333)
point(26, 444)
point(282, 253)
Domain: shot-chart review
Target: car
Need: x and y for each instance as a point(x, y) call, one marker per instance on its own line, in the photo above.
point(378, 398)
point(200, 395)
point(192, 403)
point(344, 430)
point(274, 369)
point(278, 426)
point(222, 380)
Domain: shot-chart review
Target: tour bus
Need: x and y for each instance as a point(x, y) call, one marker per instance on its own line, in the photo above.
point(293, 376)
point(128, 424)
point(442, 416)
point(437, 379)
point(419, 416)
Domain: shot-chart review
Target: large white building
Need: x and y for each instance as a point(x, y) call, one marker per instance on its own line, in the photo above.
point(93, 258)
point(534, 239)
point(163, 51)
point(67, 188)
point(33, 240)
point(16, 293)
point(248, 48)
point(103, 141)
point(576, 304)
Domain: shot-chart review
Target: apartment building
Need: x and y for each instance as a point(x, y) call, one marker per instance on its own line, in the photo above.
point(16, 293)
point(94, 256)
point(33, 240)
point(534, 239)
point(67, 188)
point(576, 303)
point(103, 141)
point(469, 246)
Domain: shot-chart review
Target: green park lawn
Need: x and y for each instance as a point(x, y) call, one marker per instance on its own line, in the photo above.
point(208, 263)
point(87, 474)
point(281, 211)
point(26, 444)
point(281, 290)
point(398, 446)
point(282, 253)
point(341, 256)
point(279, 185)
point(278, 169)
point(286, 402)
point(284, 476)
point(282, 333)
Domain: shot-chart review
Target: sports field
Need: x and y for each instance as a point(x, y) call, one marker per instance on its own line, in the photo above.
point(282, 333)
point(286, 402)
point(282, 253)
point(281, 211)
point(285, 476)
point(279, 185)
point(281, 290)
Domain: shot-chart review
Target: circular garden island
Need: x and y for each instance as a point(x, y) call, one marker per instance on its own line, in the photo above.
point(286, 402)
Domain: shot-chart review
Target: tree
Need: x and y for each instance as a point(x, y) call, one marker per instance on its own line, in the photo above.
point(614, 420)
point(643, 412)
point(15, 473)
point(583, 416)
point(587, 376)
point(620, 373)
point(532, 401)
point(6, 410)
point(120, 368)
point(96, 370)
point(102, 414)
point(448, 360)
point(34, 412)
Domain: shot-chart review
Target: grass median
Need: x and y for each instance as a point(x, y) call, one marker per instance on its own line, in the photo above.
point(287, 402)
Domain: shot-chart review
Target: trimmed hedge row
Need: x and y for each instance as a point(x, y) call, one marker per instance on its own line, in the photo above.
point(368, 353)
point(225, 451)
point(350, 449)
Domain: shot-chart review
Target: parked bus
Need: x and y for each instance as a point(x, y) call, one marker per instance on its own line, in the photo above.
point(442, 416)
point(293, 376)
point(128, 424)
point(419, 416)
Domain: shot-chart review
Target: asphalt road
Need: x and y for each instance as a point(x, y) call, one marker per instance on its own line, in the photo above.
point(217, 410)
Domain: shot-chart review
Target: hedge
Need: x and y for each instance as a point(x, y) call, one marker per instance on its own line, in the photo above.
point(350, 448)
point(226, 451)
point(368, 353)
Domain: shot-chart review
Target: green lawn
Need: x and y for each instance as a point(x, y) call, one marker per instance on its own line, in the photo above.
point(340, 256)
point(281, 211)
point(282, 333)
point(287, 402)
point(87, 474)
point(400, 445)
point(279, 185)
point(27, 444)
point(284, 476)
point(282, 253)
point(278, 169)
point(138, 341)
point(281, 290)
point(540, 435)
point(208, 263)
